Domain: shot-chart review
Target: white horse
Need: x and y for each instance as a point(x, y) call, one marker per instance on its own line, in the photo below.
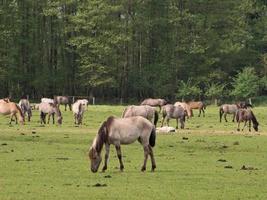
point(119, 131)
point(47, 100)
point(85, 102)
point(78, 109)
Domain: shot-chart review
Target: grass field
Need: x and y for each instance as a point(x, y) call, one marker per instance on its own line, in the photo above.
point(207, 160)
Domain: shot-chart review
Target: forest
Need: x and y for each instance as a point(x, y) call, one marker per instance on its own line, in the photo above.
point(133, 49)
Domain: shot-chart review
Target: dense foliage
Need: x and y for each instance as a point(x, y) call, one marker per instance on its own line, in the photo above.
point(130, 49)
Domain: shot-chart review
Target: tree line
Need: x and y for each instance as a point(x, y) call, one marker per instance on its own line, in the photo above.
point(133, 49)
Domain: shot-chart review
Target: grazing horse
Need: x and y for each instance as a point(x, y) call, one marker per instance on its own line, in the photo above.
point(186, 107)
point(228, 109)
point(119, 131)
point(197, 105)
point(50, 109)
point(63, 100)
point(154, 103)
point(78, 108)
point(85, 102)
point(25, 107)
point(243, 104)
point(246, 115)
point(12, 109)
point(147, 112)
point(176, 112)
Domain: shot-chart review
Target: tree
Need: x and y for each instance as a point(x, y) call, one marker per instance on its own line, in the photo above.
point(214, 91)
point(246, 84)
point(188, 90)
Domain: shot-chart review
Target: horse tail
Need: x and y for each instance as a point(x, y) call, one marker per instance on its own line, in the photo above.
point(152, 137)
point(156, 118)
point(20, 111)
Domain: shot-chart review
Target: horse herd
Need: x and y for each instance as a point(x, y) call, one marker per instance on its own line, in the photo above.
point(47, 107)
point(138, 122)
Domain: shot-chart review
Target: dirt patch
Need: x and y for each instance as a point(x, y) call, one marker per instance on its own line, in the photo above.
point(62, 158)
point(100, 185)
point(4, 144)
point(185, 138)
point(228, 167)
point(236, 143)
point(222, 160)
point(248, 168)
point(107, 176)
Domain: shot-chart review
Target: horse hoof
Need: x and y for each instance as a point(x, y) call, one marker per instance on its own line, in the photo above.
point(143, 169)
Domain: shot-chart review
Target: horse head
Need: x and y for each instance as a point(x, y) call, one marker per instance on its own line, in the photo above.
point(95, 158)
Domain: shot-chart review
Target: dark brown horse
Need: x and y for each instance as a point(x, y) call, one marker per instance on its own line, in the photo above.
point(119, 131)
point(154, 102)
point(246, 115)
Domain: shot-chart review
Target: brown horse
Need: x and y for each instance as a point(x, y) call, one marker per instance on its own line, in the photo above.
point(12, 109)
point(5, 100)
point(246, 115)
point(119, 131)
point(197, 105)
point(154, 102)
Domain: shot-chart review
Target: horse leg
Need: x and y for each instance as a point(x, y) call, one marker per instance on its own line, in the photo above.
point(118, 149)
point(153, 163)
point(244, 125)
point(199, 112)
point(53, 117)
point(182, 123)
point(203, 112)
point(233, 118)
point(225, 117)
point(177, 123)
point(16, 119)
point(106, 157)
point(162, 121)
point(11, 118)
point(146, 152)
point(168, 120)
point(65, 107)
point(238, 129)
point(49, 115)
point(249, 125)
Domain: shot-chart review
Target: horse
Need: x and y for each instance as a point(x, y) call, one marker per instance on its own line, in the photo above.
point(47, 100)
point(228, 109)
point(50, 109)
point(147, 112)
point(119, 131)
point(243, 104)
point(154, 103)
point(85, 102)
point(197, 105)
point(12, 109)
point(25, 107)
point(246, 115)
point(176, 112)
point(186, 107)
point(63, 100)
point(78, 108)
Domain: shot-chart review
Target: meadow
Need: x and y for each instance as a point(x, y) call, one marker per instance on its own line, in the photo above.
point(206, 160)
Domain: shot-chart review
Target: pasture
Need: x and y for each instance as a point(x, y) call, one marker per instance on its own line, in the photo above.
point(206, 160)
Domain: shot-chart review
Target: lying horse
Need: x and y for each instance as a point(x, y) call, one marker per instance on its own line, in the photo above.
point(12, 109)
point(25, 107)
point(197, 105)
point(147, 112)
point(186, 107)
point(119, 131)
point(63, 100)
point(228, 109)
point(50, 109)
point(176, 112)
point(154, 103)
point(78, 109)
point(246, 115)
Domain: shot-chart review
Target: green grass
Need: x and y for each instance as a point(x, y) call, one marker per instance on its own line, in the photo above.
point(50, 162)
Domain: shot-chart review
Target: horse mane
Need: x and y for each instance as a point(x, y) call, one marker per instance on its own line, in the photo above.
point(102, 136)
